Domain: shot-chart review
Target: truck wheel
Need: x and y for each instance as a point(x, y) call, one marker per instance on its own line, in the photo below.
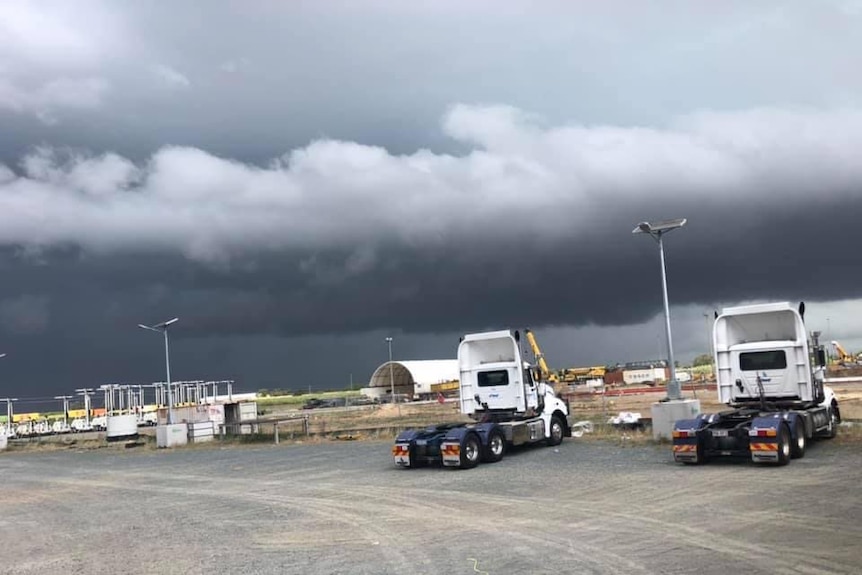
point(496, 447)
point(557, 431)
point(832, 429)
point(471, 449)
point(783, 445)
point(797, 448)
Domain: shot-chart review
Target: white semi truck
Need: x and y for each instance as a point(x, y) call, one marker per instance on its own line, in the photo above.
point(771, 377)
point(507, 402)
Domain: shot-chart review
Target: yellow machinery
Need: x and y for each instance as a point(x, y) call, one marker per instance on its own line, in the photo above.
point(446, 387)
point(843, 358)
point(545, 374)
point(575, 374)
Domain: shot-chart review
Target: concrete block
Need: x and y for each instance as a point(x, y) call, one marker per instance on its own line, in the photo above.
point(4, 441)
point(173, 435)
point(665, 413)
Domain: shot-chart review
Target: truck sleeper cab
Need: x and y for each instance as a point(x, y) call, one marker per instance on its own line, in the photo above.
point(773, 381)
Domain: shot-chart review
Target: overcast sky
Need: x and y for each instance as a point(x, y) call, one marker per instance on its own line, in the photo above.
point(298, 180)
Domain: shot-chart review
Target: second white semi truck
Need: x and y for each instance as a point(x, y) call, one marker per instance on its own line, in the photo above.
point(508, 403)
point(771, 377)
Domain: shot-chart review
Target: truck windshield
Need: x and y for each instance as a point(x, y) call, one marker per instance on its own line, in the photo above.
point(492, 378)
point(761, 360)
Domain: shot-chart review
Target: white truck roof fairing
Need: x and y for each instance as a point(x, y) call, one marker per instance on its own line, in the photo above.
point(763, 346)
point(494, 351)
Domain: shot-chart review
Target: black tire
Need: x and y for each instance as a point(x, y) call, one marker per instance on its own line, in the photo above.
point(414, 460)
point(557, 431)
point(496, 446)
point(471, 451)
point(797, 448)
point(784, 446)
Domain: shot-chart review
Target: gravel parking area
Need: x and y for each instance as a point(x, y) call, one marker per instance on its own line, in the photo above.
point(342, 507)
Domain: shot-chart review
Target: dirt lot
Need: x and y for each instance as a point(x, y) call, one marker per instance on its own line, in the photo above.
point(341, 507)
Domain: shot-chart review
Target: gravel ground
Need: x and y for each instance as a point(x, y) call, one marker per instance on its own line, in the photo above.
point(342, 507)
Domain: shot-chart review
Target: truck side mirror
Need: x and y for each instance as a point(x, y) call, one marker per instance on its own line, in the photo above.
point(517, 335)
point(820, 355)
point(802, 310)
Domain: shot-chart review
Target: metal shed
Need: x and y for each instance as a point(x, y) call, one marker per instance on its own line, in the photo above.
point(413, 378)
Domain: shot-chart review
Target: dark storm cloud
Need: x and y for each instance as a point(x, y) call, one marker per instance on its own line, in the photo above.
point(532, 226)
point(296, 180)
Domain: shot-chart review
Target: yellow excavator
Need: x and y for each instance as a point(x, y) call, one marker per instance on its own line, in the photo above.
point(544, 374)
point(842, 357)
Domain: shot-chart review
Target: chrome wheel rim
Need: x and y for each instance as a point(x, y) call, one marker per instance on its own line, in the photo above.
point(496, 445)
point(556, 430)
point(472, 451)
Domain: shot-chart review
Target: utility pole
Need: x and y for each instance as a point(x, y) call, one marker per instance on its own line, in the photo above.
point(9, 414)
point(87, 404)
point(65, 399)
point(392, 376)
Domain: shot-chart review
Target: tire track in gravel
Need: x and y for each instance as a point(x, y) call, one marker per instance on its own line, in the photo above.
point(301, 504)
point(326, 505)
point(784, 559)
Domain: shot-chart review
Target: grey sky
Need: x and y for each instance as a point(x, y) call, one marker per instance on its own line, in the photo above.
point(296, 180)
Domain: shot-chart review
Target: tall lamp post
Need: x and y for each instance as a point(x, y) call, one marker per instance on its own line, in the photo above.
point(163, 328)
point(392, 376)
point(657, 231)
point(8, 400)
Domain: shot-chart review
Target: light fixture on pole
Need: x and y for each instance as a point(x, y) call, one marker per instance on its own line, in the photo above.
point(657, 231)
point(163, 328)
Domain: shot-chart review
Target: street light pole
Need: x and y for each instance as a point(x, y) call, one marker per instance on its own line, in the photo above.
point(163, 328)
point(392, 376)
point(657, 231)
point(673, 391)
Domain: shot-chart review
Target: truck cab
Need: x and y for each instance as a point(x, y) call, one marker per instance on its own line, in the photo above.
point(772, 377)
point(763, 351)
point(494, 379)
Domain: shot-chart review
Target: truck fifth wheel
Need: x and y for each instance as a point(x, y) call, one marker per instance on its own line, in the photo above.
point(771, 377)
point(503, 396)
